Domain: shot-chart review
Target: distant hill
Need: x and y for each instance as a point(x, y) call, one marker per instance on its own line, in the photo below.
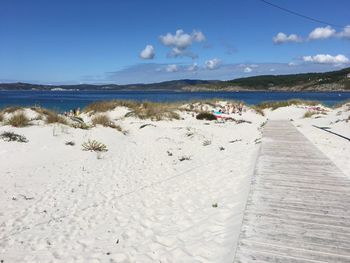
point(329, 81)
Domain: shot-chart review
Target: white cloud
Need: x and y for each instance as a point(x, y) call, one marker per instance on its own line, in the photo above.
point(193, 67)
point(147, 52)
point(326, 59)
point(177, 52)
point(322, 33)
point(180, 41)
point(345, 33)
point(198, 36)
point(283, 38)
point(247, 70)
point(171, 68)
point(212, 63)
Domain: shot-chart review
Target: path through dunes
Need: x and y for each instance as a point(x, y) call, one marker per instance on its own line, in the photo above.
point(299, 203)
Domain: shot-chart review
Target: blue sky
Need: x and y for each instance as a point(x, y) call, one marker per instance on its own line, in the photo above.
point(133, 41)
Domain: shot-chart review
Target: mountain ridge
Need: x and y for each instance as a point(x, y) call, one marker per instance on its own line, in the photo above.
point(338, 80)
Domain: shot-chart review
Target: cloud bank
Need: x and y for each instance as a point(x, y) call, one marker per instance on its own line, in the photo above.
point(327, 59)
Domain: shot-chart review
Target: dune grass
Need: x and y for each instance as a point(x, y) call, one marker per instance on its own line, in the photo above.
point(105, 121)
point(53, 117)
point(156, 111)
point(273, 105)
point(103, 106)
point(12, 109)
point(309, 114)
point(50, 116)
point(19, 120)
point(142, 110)
point(259, 110)
point(341, 104)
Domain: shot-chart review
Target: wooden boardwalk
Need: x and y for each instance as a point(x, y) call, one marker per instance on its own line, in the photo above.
point(298, 208)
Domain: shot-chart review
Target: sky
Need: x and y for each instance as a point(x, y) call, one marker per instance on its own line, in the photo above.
point(145, 41)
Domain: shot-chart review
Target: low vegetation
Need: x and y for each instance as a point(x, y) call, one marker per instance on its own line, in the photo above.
point(206, 116)
point(1, 117)
point(155, 111)
point(142, 110)
point(50, 116)
point(273, 105)
point(94, 146)
point(53, 117)
point(13, 137)
point(103, 106)
point(12, 109)
point(259, 110)
point(105, 121)
point(19, 120)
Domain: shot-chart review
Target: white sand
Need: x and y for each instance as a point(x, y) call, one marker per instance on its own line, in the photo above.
point(137, 202)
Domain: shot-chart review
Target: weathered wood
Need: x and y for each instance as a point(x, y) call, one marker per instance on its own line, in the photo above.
point(298, 208)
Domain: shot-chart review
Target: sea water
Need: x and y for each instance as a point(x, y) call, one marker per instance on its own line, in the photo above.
point(66, 100)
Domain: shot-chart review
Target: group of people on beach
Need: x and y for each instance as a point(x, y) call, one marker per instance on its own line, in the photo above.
point(72, 113)
point(231, 108)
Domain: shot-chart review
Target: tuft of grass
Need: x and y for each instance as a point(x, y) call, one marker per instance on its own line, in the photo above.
point(273, 105)
point(309, 114)
point(155, 111)
point(1, 117)
point(18, 120)
point(80, 125)
point(70, 143)
point(206, 116)
point(105, 121)
point(206, 143)
point(12, 109)
point(101, 119)
point(53, 117)
point(103, 106)
point(13, 137)
point(338, 105)
point(94, 146)
point(259, 110)
point(144, 110)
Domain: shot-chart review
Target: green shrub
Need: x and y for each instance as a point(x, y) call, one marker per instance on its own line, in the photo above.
point(206, 116)
point(19, 120)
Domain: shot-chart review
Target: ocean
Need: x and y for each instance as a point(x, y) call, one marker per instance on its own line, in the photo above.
point(66, 100)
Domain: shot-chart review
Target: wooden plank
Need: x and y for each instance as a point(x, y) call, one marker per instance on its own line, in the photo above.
point(298, 208)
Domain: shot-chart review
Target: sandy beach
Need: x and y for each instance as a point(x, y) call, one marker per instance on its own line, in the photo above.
point(165, 191)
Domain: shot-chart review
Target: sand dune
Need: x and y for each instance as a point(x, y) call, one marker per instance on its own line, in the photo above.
point(173, 191)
